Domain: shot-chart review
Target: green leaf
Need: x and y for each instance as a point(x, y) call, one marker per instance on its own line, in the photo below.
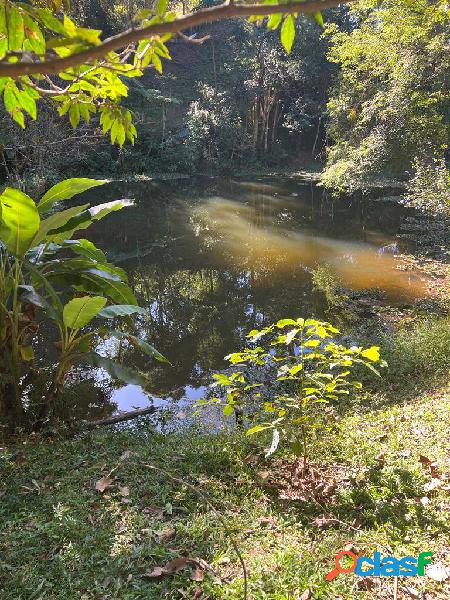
point(64, 190)
point(318, 17)
point(86, 248)
point(228, 410)
point(3, 30)
point(80, 311)
point(27, 294)
point(115, 369)
point(16, 30)
point(161, 7)
point(121, 310)
point(145, 347)
point(372, 353)
point(284, 322)
point(56, 221)
point(274, 21)
point(287, 33)
point(34, 35)
point(19, 221)
point(258, 428)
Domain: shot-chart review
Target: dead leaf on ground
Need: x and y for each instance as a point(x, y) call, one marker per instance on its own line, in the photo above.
point(198, 574)
point(366, 583)
point(166, 534)
point(267, 521)
point(351, 547)
point(155, 573)
point(176, 565)
point(306, 595)
point(325, 521)
point(155, 511)
point(126, 454)
point(124, 491)
point(413, 592)
point(103, 484)
point(197, 593)
point(425, 461)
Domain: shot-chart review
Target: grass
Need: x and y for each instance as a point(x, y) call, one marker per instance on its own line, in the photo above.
point(62, 539)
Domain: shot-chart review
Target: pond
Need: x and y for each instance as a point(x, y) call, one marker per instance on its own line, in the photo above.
point(213, 258)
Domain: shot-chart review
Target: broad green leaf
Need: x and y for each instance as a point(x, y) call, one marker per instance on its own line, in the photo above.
point(258, 428)
point(19, 221)
point(287, 33)
point(372, 353)
point(34, 35)
point(145, 347)
point(84, 219)
point(274, 21)
point(121, 310)
point(228, 410)
point(80, 311)
point(28, 294)
point(284, 322)
point(16, 30)
point(115, 369)
point(64, 190)
point(86, 248)
point(56, 221)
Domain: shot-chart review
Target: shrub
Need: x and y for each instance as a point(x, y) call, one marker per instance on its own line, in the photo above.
point(285, 381)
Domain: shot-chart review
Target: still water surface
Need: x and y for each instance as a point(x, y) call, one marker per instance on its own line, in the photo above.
point(213, 258)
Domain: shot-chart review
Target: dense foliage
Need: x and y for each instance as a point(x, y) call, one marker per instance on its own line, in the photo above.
point(70, 281)
point(285, 379)
point(391, 103)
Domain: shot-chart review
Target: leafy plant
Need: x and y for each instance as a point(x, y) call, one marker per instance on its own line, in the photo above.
point(68, 280)
point(429, 188)
point(39, 40)
point(286, 380)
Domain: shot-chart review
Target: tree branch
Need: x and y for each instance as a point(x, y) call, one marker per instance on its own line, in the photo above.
point(206, 15)
point(124, 416)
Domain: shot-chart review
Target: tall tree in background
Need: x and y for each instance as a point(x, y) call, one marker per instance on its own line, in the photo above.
point(391, 104)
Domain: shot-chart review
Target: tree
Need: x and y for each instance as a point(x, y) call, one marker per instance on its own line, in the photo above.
point(391, 104)
point(44, 53)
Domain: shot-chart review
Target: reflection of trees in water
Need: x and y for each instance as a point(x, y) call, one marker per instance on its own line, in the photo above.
point(196, 317)
point(213, 259)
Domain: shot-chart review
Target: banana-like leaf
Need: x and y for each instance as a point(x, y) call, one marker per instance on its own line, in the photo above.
point(64, 190)
point(87, 249)
point(56, 221)
point(144, 346)
point(85, 219)
point(19, 221)
point(120, 310)
point(115, 369)
point(80, 311)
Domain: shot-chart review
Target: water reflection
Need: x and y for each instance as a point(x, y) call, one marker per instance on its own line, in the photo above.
point(247, 237)
point(211, 259)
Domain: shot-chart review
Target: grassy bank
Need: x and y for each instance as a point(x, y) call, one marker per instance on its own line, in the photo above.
point(60, 538)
